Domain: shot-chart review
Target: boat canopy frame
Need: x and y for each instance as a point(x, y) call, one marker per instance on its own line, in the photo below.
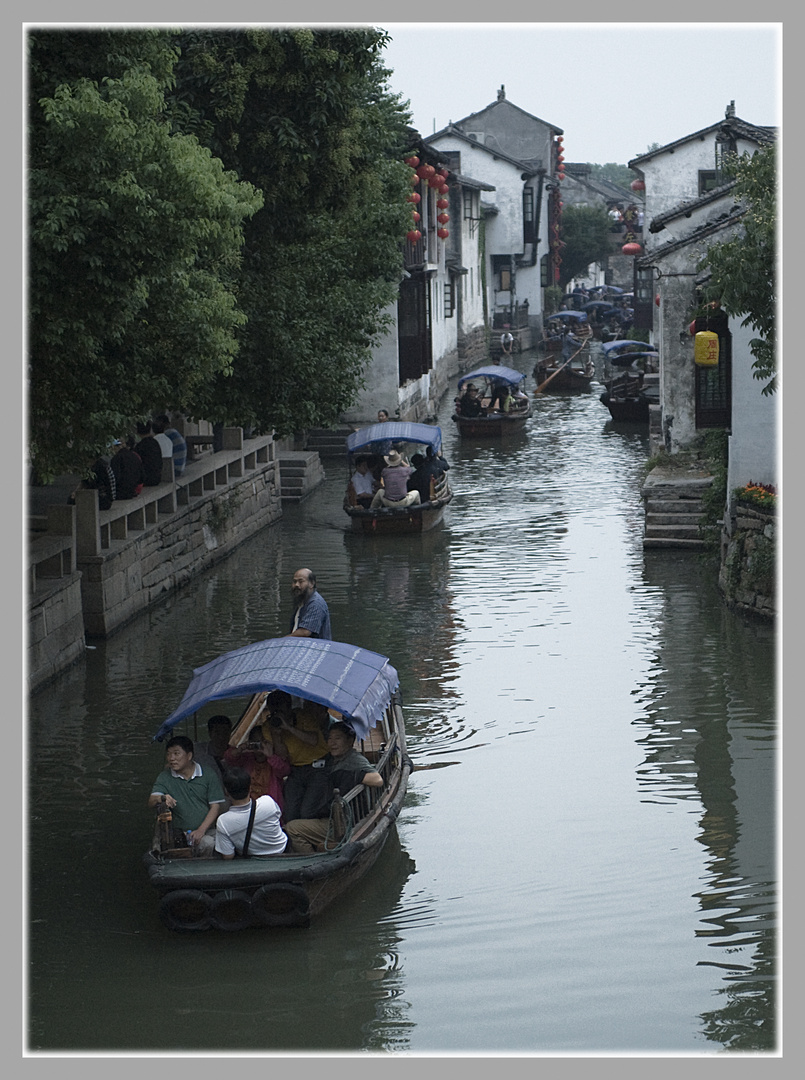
point(395, 431)
point(494, 373)
point(355, 682)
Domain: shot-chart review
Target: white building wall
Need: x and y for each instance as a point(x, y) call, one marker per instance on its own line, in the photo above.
point(753, 448)
point(381, 379)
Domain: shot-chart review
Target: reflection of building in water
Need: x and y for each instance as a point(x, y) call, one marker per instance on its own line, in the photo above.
point(711, 735)
point(404, 582)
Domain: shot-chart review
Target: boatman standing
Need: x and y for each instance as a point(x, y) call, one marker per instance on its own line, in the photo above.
point(311, 616)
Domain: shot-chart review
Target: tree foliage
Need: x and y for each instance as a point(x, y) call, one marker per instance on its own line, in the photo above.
point(585, 234)
point(305, 116)
point(621, 175)
point(215, 226)
point(135, 235)
point(744, 269)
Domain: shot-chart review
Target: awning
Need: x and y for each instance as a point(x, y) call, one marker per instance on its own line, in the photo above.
point(357, 683)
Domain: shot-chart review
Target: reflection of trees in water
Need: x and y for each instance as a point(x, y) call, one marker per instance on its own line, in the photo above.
point(709, 714)
point(748, 1019)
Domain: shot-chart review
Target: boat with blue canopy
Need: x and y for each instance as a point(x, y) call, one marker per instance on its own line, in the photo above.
point(356, 685)
point(631, 386)
point(374, 443)
point(498, 405)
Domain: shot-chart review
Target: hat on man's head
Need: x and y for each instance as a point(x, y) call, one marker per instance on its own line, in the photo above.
point(393, 458)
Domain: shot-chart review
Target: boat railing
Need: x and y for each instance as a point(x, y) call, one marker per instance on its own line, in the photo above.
point(354, 811)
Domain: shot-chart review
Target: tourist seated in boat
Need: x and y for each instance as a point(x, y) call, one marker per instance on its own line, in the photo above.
point(520, 398)
point(394, 480)
point(419, 480)
point(265, 758)
point(504, 399)
point(194, 795)
point(435, 461)
point(266, 836)
point(211, 753)
point(345, 767)
point(469, 404)
point(362, 484)
point(304, 734)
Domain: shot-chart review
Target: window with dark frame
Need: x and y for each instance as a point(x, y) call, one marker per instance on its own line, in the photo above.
point(449, 299)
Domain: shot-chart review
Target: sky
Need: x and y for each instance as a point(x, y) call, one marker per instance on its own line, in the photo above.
point(614, 89)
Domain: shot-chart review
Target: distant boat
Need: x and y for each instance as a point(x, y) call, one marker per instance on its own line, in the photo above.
point(570, 370)
point(289, 890)
point(491, 423)
point(376, 441)
point(626, 394)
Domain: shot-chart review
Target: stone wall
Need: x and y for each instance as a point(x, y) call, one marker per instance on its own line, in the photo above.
point(139, 550)
point(748, 561)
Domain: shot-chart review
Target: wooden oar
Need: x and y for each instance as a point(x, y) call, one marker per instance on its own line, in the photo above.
point(553, 374)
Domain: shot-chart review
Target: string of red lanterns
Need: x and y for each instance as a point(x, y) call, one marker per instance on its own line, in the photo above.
point(437, 181)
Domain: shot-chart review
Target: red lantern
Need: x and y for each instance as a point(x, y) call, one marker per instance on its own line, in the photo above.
point(442, 233)
point(637, 185)
point(631, 249)
point(424, 171)
point(412, 161)
point(443, 218)
point(414, 178)
point(560, 158)
point(413, 236)
point(435, 182)
point(443, 173)
point(442, 204)
point(443, 190)
point(417, 216)
point(657, 299)
point(561, 175)
point(414, 197)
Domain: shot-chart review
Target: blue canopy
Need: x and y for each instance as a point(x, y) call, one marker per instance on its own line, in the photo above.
point(623, 343)
point(494, 372)
point(357, 683)
point(395, 431)
point(577, 316)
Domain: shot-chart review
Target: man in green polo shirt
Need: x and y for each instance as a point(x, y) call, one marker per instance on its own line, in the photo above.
point(194, 796)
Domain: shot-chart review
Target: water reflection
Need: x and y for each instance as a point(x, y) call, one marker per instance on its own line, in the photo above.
point(591, 814)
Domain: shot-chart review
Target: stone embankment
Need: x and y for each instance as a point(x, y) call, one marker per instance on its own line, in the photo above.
point(91, 571)
point(748, 561)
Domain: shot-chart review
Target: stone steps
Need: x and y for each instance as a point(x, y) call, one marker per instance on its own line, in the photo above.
point(330, 442)
point(674, 509)
point(300, 472)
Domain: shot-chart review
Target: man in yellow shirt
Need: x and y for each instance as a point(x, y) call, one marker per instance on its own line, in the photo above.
point(304, 733)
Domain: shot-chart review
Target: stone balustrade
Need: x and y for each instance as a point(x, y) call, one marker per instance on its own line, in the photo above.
point(115, 563)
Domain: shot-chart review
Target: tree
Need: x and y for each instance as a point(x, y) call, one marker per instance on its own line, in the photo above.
point(135, 235)
point(744, 269)
point(305, 116)
point(621, 175)
point(585, 234)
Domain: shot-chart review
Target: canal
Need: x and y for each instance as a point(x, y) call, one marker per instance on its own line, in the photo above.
point(587, 859)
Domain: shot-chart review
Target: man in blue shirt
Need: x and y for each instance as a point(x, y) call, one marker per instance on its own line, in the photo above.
point(311, 616)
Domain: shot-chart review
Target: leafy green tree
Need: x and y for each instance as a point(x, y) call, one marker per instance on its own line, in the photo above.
point(306, 117)
point(584, 232)
point(744, 269)
point(135, 235)
point(621, 175)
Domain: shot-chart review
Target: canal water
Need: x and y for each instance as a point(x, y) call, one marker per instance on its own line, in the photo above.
point(586, 862)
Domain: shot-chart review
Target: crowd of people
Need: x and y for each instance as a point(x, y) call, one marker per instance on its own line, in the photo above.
point(389, 479)
point(134, 461)
point(272, 793)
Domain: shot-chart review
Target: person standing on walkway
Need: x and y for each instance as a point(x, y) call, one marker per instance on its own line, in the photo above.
point(311, 616)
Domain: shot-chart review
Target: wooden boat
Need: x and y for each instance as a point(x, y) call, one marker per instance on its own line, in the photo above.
point(289, 890)
point(572, 369)
point(626, 394)
point(556, 326)
point(376, 441)
point(491, 423)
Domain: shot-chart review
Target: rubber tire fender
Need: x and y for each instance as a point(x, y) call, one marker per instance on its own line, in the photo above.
point(171, 904)
point(292, 901)
point(231, 909)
